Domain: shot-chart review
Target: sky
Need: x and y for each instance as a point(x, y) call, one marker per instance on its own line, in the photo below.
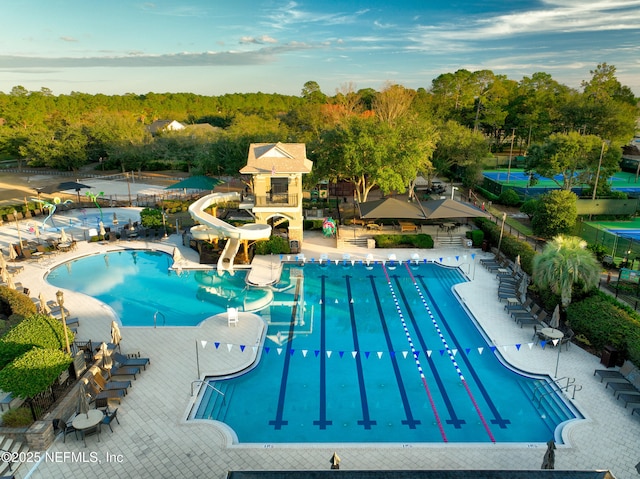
point(213, 47)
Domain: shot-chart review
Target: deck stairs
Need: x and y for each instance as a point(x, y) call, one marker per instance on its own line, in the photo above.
point(19, 449)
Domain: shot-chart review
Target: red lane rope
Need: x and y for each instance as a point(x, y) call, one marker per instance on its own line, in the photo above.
point(414, 352)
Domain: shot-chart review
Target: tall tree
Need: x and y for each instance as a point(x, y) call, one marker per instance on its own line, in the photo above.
point(564, 266)
point(392, 103)
point(556, 213)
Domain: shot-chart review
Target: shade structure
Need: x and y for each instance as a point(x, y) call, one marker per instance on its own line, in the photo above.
point(116, 337)
point(83, 402)
point(391, 208)
point(448, 208)
point(555, 317)
point(200, 182)
point(63, 186)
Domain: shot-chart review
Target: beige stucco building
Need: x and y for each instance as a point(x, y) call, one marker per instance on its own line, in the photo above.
point(276, 171)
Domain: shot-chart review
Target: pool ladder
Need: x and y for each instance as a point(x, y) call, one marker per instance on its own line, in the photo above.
point(155, 319)
point(571, 384)
point(206, 383)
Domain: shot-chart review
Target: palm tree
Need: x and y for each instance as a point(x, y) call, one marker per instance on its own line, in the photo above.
point(565, 264)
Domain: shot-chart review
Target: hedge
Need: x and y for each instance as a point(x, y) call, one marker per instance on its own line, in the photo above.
point(19, 303)
point(274, 245)
point(604, 321)
point(34, 371)
point(414, 241)
point(510, 246)
point(36, 330)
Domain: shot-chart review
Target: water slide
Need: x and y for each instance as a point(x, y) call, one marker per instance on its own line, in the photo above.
point(211, 228)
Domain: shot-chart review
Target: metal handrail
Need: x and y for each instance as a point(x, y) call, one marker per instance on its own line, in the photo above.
point(206, 383)
point(543, 385)
point(155, 318)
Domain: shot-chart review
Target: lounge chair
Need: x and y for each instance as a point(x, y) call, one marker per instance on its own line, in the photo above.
point(512, 308)
point(536, 320)
point(630, 386)
point(117, 370)
point(612, 375)
point(125, 361)
point(535, 309)
point(232, 316)
point(110, 385)
point(96, 393)
point(628, 398)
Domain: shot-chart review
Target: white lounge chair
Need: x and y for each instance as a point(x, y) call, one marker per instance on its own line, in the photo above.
point(232, 316)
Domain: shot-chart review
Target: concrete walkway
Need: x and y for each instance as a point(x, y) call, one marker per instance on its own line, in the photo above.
point(154, 440)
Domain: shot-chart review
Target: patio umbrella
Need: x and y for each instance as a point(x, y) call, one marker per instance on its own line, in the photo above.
point(43, 307)
point(200, 182)
point(3, 262)
point(177, 255)
point(116, 337)
point(115, 219)
point(102, 230)
point(549, 461)
point(555, 317)
point(83, 402)
point(106, 356)
point(12, 252)
point(335, 461)
point(64, 186)
point(523, 287)
point(63, 236)
point(4, 276)
point(10, 283)
point(518, 266)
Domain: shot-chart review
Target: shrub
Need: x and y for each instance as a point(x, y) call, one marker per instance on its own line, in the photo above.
point(509, 197)
point(274, 245)
point(313, 224)
point(151, 217)
point(34, 371)
point(37, 330)
point(604, 321)
point(476, 236)
point(412, 241)
point(18, 417)
point(511, 247)
point(18, 303)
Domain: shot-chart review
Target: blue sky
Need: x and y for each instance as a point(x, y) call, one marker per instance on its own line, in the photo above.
point(213, 47)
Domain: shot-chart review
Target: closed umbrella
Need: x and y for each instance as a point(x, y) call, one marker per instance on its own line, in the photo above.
point(102, 230)
point(106, 356)
point(10, 283)
point(115, 219)
point(43, 307)
point(555, 318)
point(518, 266)
point(523, 288)
point(12, 252)
point(116, 337)
point(36, 231)
point(63, 236)
point(549, 461)
point(3, 262)
point(83, 402)
point(4, 276)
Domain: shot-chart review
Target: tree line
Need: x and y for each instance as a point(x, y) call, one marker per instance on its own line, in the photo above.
point(372, 138)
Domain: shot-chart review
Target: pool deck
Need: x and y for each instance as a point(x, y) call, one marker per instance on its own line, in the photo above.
point(153, 439)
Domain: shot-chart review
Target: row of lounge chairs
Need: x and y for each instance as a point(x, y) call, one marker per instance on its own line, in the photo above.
point(624, 383)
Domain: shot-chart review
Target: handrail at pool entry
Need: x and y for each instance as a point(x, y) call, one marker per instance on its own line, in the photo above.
point(155, 318)
point(206, 383)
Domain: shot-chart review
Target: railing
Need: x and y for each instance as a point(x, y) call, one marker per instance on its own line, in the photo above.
point(542, 386)
point(277, 199)
point(155, 319)
point(202, 381)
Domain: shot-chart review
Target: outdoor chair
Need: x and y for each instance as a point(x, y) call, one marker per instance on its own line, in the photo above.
point(512, 308)
point(89, 431)
point(535, 309)
point(232, 316)
point(535, 320)
point(118, 370)
point(619, 376)
point(108, 385)
point(128, 361)
point(109, 417)
point(632, 386)
point(97, 393)
point(566, 340)
point(67, 428)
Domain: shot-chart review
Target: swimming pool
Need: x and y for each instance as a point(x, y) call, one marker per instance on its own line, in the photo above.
point(383, 353)
point(129, 282)
point(380, 354)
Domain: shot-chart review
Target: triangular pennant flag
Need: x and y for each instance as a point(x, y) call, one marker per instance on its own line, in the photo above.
point(279, 351)
point(304, 353)
point(543, 343)
point(337, 262)
point(229, 347)
point(354, 354)
point(291, 352)
point(467, 350)
point(480, 350)
point(328, 354)
point(493, 349)
point(336, 301)
point(366, 354)
point(518, 347)
point(429, 353)
point(351, 301)
point(555, 342)
point(404, 353)
point(341, 354)
point(530, 345)
point(217, 345)
point(440, 259)
point(392, 354)
point(316, 352)
point(457, 258)
point(416, 354)
point(267, 349)
point(505, 348)
point(473, 256)
point(442, 352)
point(379, 354)
point(254, 349)
point(242, 346)
point(454, 351)
point(320, 302)
point(203, 343)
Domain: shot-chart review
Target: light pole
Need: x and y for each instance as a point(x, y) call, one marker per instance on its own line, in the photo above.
point(504, 217)
point(164, 223)
point(595, 184)
point(453, 189)
point(513, 135)
point(60, 298)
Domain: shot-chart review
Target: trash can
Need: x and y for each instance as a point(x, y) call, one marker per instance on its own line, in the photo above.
point(609, 357)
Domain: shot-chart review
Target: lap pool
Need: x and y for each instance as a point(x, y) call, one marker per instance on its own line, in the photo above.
point(383, 353)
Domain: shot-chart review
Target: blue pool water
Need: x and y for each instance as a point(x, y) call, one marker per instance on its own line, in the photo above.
point(384, 353)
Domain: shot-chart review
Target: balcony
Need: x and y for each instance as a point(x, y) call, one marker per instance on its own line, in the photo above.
point(277, 199)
